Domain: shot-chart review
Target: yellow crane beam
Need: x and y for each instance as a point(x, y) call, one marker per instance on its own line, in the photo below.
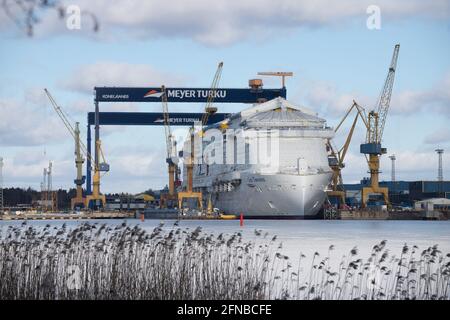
point(281, 74)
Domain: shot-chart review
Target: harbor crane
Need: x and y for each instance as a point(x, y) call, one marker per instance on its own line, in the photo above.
point(169, 198)
point(337, 157)
point(209, 108)
point(78, 201)
point(372, 148)
point(96, 200)
point(189, 193)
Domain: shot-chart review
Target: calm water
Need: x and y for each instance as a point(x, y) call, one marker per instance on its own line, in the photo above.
point(310, 236)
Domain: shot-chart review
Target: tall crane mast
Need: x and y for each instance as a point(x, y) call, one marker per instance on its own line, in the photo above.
point(44, 195)
point(50, 185)
point(376, 121)
point(51, 194)
point(171, 156)
point(96, 200)
point(47, 194)
point(78, 200)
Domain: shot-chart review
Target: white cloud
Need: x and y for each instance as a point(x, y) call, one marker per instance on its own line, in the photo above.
point(223, 22)
point(435, 99)
point(24, 167)
point(442, 135)
point(133, 169)
point(23, 123)
point(86, 77)
point(415, 165)
point(326, 98)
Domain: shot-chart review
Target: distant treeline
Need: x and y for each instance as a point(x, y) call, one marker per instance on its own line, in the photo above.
point(19, 196)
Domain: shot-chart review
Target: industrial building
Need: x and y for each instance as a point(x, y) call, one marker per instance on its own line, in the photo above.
point(433, 204)
point(401, 193)
point(129, 202)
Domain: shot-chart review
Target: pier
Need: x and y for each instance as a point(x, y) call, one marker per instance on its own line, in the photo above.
point(391, 215)
point(68, 216)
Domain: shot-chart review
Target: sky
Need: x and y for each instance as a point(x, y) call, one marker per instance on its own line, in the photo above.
point(332, 48)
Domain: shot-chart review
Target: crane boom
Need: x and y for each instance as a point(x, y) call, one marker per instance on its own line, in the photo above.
point(95, 200)
point(385, 97)
point(68, 125)
point(73, 133)
point(167, 129)
point(382, 106)
point(336, 158)
point(212, 95)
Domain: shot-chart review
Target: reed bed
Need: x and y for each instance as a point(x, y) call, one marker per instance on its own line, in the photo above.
point(98, 261)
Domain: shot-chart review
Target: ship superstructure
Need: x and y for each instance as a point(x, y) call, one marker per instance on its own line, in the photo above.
point(269, 160)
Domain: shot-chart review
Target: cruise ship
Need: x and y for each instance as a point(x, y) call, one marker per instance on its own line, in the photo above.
point(267, 161)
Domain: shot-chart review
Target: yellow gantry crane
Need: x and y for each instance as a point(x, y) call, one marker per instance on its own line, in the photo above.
point(78, 201)
point(168, 199)
point(96, 200)
point(189, 193)
point(376, 121)
point(337, 157)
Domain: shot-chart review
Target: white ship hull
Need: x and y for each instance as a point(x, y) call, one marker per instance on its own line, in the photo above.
point(287, 182)
point(275, 196)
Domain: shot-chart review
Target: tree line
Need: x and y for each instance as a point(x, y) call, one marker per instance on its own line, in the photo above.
point(13, 197)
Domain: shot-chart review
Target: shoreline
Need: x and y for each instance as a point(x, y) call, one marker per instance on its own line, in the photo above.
point(341, 215)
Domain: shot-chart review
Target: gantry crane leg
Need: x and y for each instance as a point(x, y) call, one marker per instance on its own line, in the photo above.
point(374, 188)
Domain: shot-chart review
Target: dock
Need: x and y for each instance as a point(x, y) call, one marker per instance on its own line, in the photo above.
point(68, 216)
point(391, 215)
point(174, 214)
